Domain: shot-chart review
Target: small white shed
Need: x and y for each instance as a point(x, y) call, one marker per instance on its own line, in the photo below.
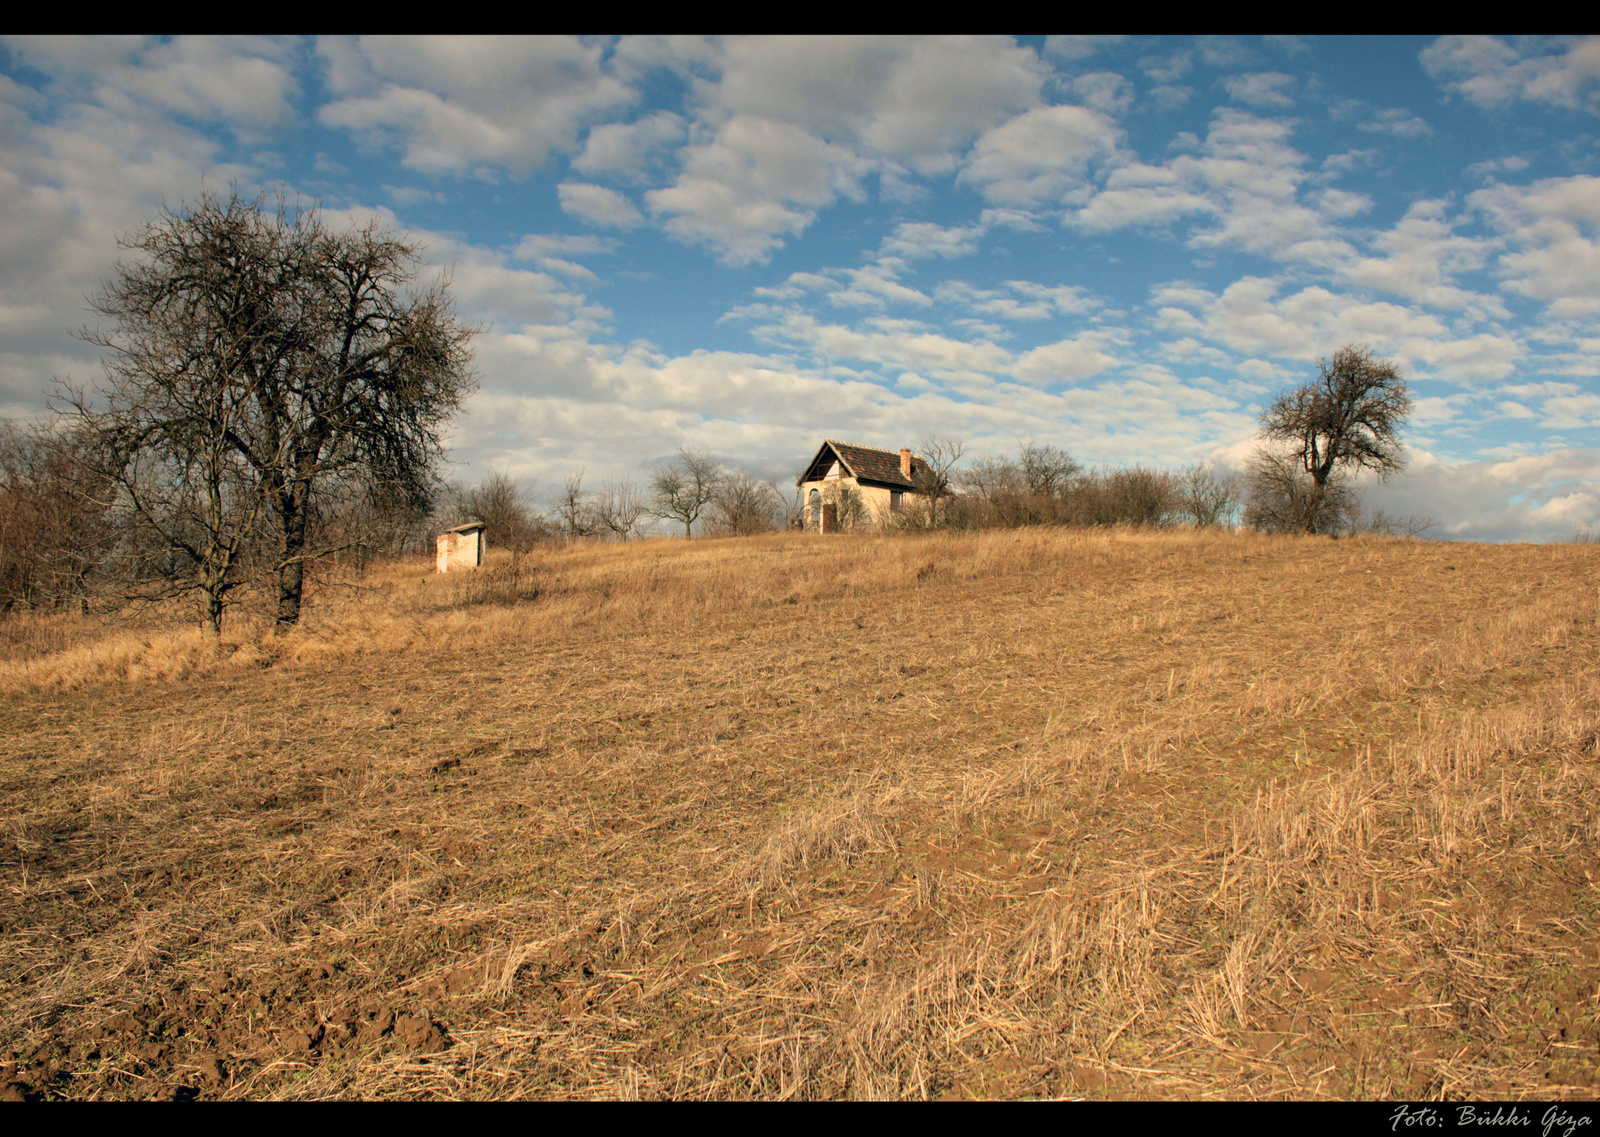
point(462, 547)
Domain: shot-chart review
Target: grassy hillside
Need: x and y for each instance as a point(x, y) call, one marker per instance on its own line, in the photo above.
point(1010, 814)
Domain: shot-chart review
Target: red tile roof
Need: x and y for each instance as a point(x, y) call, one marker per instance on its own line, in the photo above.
point(863, 463)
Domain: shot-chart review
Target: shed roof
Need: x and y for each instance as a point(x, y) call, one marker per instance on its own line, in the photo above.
point(468, 527)
point(863, 463)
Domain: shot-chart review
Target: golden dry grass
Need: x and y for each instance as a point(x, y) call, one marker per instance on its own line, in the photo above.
point(1046, 813)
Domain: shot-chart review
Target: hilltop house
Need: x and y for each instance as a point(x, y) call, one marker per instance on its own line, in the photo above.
point(860, 483)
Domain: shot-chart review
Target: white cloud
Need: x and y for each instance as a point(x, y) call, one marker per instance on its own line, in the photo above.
point(1487, 71)
point(753, 183)
point(1075, 48)
point(597, 205)
point(246, 82)
point(1340, 204)
point(1266, 89)
point(924, 239)
point(1104, 91)
point(628, 150)
point(1139, 195)
point(1551, 228)
point(1246, 175)
point(1422, 255)
point(1398, 122)
point(912, 98)
point(550, 252)
point(899, 344)
point(1069, 360)
point(876, 286)
point(469, 105)
point(1036, 157)
point(407, 196)
point(1511, 164)
point(70, 186)
point(1249, 317)
point(1027, 300)
point(1555, 495)
point(1572, 412)
point(1169, 98)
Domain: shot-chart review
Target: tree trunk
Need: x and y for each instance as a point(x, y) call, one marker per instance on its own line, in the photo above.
point(211, 616)
point(292, 573)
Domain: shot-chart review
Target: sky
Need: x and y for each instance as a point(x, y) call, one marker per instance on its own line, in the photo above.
point(1122, 246)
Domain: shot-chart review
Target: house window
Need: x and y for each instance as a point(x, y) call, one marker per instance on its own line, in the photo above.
point(896, 497)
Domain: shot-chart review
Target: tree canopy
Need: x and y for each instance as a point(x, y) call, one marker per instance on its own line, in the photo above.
point(258, 360)
point(1347, 419)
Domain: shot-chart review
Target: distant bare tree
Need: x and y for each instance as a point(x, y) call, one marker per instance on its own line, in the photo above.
point(1206, 497)
point(1385, 525)
point(503, 504)
point(1282, 497)
point(1036, 488)
point(682, 489)
point(1347, 419)
point(934, 477)
point(1047, 470)
point(1132, 495)
point(574, 508)
point(619, 507)
point(744, 506)
point(55, 521)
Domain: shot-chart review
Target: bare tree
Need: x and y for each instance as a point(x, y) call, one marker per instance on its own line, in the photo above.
point(257, 359)
point(1206, 497)
point(192, 509)
point(574, 508)
point(55, 530)
point(619, 507)
point(744, 506)
point(1281, 497)
point(681, 490)
point(1347, 419)
point(850, 508)
point(1033, 489)
point(1048, 470)
point(933, 475)
point(502, 503)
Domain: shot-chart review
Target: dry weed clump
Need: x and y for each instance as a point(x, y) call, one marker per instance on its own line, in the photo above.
point(1112, 813)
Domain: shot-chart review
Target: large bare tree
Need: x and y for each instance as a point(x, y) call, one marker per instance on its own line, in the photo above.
point(1347, 419)
point(257, 358)
point(681, 490)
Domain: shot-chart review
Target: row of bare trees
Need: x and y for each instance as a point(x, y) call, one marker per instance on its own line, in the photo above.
point(691, 490)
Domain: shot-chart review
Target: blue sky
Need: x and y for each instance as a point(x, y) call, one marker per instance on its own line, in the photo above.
point(1123, 246)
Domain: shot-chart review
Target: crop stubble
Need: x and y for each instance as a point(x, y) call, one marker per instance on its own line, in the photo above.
point(1041, 813)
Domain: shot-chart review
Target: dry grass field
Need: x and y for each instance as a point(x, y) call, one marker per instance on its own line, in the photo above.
point(1020, 814)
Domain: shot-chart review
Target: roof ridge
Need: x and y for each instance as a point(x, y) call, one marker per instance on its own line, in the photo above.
point(858, 446)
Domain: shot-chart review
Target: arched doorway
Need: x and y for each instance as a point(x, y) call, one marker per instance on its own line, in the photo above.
point(814, 507)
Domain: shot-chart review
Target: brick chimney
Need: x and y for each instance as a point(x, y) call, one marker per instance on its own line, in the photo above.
point(905, 462)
